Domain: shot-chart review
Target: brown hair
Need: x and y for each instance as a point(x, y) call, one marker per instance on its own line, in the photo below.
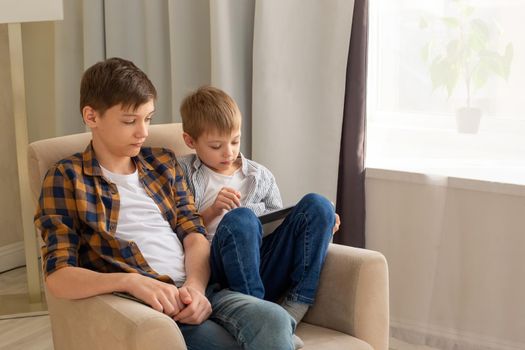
point(112, 82)
point(209, 108)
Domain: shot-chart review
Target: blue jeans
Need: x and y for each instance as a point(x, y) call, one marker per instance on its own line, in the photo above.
point(247, 269)
point(240, 321)
point(286, 262)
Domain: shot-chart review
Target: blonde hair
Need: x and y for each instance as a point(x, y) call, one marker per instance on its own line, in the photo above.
point(207, 109)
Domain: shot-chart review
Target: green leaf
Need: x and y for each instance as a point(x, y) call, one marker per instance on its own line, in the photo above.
point(444, 73)
point(451, 22)
point(468, 10)
point(478, 35)
point(491, 62)
point(480, 75)
point(436, 73)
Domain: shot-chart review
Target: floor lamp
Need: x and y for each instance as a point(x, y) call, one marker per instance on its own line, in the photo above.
point(15, 12)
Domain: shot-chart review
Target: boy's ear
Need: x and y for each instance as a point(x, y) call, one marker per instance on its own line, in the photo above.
point(188, 140)
point(90, 116)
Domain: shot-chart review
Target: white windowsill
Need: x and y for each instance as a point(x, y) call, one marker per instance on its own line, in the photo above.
point(428, 150)
point(446, 181)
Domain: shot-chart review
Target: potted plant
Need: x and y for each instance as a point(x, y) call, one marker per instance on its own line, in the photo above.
point(467, 54)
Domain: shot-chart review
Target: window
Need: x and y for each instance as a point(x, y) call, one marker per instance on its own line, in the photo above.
point(431, 63)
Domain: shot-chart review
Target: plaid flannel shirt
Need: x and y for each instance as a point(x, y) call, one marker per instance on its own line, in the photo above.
point(78, 211)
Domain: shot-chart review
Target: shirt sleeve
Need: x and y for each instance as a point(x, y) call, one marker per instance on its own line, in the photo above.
point(185, 163)
point(272, 200)
point(270, 197)
point(55, 218)
point(188, 219)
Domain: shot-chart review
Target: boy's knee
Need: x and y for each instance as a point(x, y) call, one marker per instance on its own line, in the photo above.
point(256, 323)
point(319, 205)
point(241, 222)
point(240, 216)
point(276, 323)
point(277, 315)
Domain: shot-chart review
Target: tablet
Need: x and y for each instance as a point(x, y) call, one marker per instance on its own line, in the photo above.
point(275, 215)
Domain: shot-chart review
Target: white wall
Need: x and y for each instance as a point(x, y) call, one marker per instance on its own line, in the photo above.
point(456, 252)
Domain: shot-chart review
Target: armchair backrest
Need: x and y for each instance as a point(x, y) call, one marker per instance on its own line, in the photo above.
point(45, 153)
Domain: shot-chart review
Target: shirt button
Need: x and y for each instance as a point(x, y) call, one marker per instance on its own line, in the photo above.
point(112, 227)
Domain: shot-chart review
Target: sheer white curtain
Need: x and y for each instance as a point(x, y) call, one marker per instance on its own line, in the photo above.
point(449, 214)
point(445, 80)
point(455, 252)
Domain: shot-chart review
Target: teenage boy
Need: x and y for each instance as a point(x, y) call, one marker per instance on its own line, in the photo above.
point(230, 191)
point(119, 218)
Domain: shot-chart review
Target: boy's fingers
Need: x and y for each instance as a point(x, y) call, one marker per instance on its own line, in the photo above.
point(168, 308)
point(233, 191)
point(225, 203)
point(234, 195)
point(230, 199)
point(185, 296)
point(156, 305)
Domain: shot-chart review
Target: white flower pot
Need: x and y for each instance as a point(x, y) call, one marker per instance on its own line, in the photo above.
point(468, 119)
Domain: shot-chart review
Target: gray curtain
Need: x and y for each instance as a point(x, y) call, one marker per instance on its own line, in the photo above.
point(351, 180)
point(180, 44)
point(300, 51)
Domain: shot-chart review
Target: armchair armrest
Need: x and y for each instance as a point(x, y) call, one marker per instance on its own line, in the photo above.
point(110, 322)
point(353, 295)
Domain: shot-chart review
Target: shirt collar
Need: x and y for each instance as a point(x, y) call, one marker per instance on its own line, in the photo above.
point(91, 165)
point(246, 168)
point(196, 164)
point(244, 165)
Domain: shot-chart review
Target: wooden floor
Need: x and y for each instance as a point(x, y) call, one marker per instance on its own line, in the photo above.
point(34, 333)
point(24, 333)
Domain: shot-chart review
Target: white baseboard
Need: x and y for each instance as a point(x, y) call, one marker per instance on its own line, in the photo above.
point(11, 256)
point(444, 338)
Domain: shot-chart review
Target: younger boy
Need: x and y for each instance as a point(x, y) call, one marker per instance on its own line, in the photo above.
point(230, 191)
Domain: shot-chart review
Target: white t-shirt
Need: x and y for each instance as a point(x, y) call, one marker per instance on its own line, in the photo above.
point(141, 221)
point(216, 182)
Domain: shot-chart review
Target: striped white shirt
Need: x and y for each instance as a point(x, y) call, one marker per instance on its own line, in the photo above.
point(261, 192)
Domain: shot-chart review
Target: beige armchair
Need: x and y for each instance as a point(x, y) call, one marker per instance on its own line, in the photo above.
point(351, 309)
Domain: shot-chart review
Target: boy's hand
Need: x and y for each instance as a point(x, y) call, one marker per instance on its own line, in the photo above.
point(337, 223)
point(227, 199)
point(197, 309)
point(163, 297)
